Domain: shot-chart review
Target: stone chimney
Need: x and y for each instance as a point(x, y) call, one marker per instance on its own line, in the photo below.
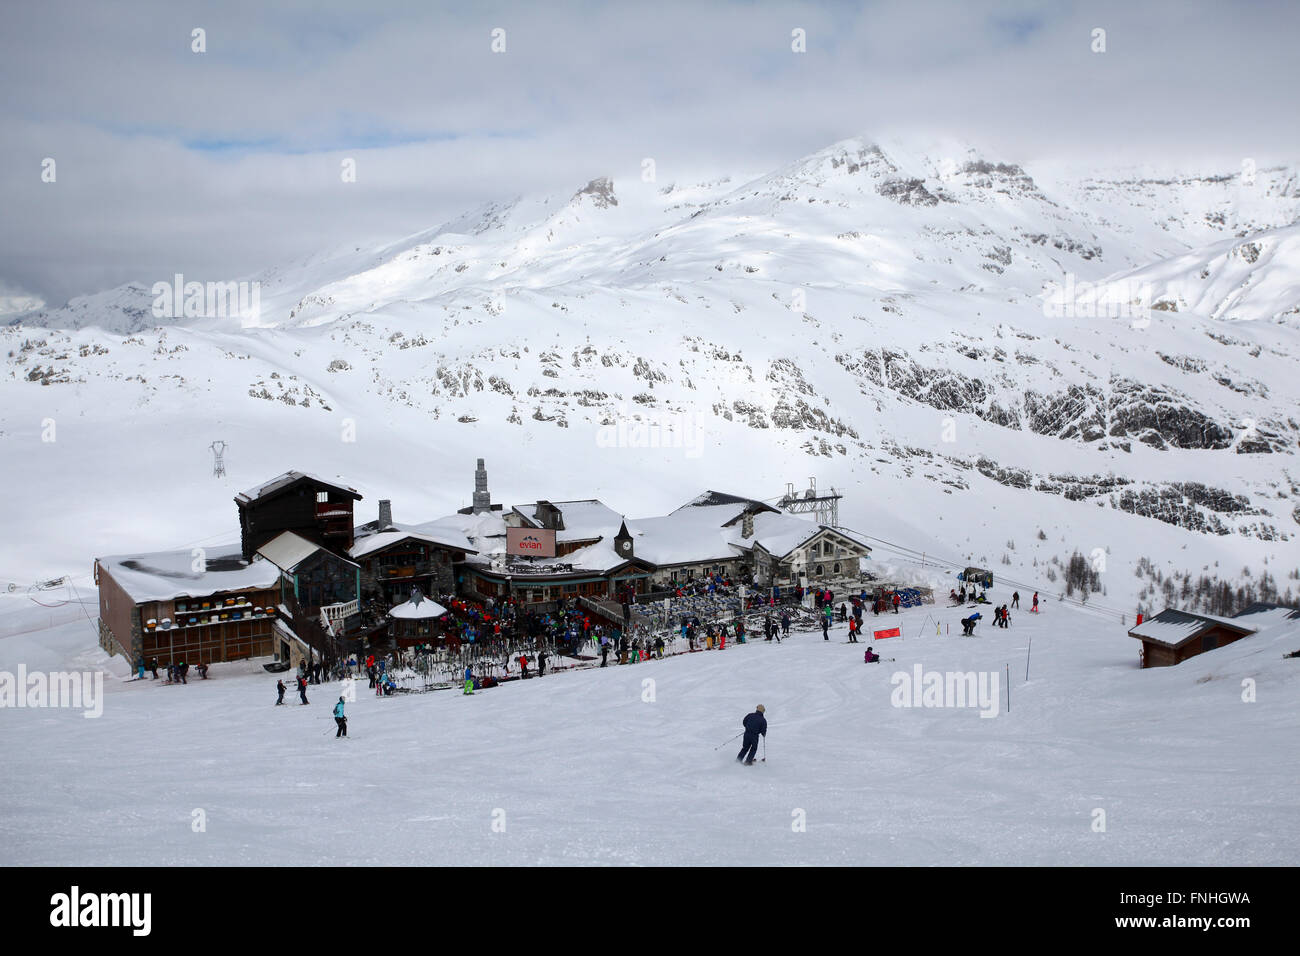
point(482, 500)
point(385, 514)
point(747, 526)
point(549, 516)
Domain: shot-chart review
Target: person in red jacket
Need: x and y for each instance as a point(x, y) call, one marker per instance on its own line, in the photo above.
point(896, 599)
point(523, 663)
point(1035, 607)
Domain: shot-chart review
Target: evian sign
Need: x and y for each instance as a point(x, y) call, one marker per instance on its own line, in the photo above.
point(534, 542)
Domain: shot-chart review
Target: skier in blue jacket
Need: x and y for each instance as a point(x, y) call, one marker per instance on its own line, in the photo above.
point(754, 724)
point(340, 720)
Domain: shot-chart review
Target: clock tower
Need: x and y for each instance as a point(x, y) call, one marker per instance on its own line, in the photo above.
point(623, 542)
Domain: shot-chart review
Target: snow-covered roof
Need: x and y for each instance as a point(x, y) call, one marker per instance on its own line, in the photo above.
point(583, 519)
point(483, 533)
point(280, 482)
point(694, 533)
point(779, 534)
point(1270, 613)
point(687, 535)
point(707, 499)
point(412, 611)
point(166, 575)
point(377, 542)
point(1173, 628)
point(287, 550)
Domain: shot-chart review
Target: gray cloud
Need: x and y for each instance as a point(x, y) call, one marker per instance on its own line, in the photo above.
point(220, 163)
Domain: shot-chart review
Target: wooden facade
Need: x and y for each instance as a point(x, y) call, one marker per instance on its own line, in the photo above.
point(317, 510)
point(210, 628)
point(540, 589)
point(388, 574)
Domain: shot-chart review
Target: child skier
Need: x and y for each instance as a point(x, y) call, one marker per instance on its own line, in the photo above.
point(340, 720)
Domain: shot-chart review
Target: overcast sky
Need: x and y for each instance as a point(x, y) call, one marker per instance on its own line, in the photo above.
point(220, 163)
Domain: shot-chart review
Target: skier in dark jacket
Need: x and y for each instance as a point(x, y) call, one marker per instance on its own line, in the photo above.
point(541, 663)
point(280, 689)
point(754, 724)
point(968, 625)
point(302, 688)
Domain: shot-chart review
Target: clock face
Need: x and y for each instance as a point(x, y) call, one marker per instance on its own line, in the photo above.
point(625, 546)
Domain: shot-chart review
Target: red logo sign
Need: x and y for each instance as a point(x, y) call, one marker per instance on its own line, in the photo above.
point(892, 632)
point(538, 542)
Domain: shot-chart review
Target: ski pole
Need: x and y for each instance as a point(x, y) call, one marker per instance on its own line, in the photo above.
point(764, 757)
point(725, 742)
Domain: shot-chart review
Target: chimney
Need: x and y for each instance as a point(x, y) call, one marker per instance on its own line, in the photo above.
point(549, 516)
point(747, 525)
point(482, 499)
point(385, 514)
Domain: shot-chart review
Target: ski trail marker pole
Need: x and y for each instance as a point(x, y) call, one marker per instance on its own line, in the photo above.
point(1029, 650)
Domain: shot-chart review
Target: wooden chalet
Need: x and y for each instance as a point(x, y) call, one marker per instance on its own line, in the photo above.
point(311, 507)
point(319, 597)
point(175, 607)
point(395, 558)
point(1171, 636)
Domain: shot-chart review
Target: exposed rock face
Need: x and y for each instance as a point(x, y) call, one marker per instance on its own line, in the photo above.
point(601, 191)
point(908, 192)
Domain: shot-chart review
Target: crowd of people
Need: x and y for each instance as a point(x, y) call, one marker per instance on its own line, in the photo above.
point(177, 672)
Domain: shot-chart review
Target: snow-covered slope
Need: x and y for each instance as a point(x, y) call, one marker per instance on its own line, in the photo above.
point(872, 315)
point(632, 765)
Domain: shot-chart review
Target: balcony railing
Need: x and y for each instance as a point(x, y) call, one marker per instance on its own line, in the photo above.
point(332, 615)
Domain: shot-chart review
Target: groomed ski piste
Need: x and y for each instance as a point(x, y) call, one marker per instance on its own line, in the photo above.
point(1096, 762)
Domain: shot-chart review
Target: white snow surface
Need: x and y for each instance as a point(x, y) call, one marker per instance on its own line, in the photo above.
point(165, 575)
point(584, 770)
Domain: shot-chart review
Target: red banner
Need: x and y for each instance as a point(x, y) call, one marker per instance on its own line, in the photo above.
point(892, 632)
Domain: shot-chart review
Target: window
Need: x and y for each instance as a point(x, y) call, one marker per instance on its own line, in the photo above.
point(837, 567)
point(322, 497)
point(819, 570)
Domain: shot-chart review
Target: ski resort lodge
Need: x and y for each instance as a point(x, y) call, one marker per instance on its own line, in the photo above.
point(307, 582)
